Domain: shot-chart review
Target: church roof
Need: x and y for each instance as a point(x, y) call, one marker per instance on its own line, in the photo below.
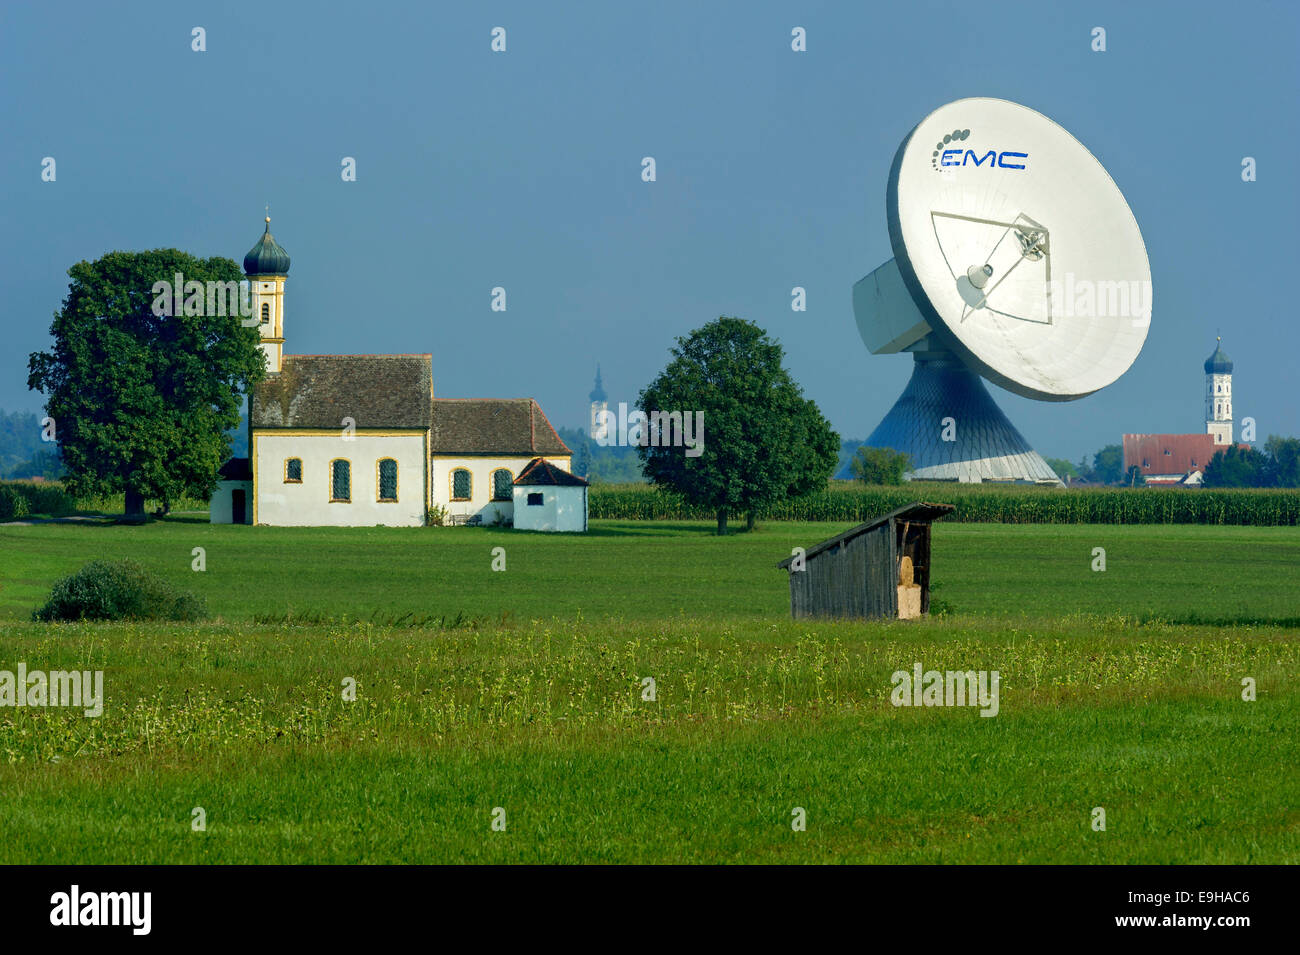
point(513, 426)
point(267, 257)
point(319, 391)
point(541, 471)
point(598, 393)
point(1157, 454)
point(1218, 363)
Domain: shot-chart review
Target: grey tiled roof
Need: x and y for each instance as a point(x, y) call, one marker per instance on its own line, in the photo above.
point(493, 426)
point(319, 391)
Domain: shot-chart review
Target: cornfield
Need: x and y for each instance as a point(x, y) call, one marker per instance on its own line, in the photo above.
point(844, 501)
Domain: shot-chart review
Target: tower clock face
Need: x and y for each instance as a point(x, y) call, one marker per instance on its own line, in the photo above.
point(1020, 249)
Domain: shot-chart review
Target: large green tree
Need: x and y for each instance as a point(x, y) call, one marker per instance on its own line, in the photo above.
point(763, 441)
point(141, 401)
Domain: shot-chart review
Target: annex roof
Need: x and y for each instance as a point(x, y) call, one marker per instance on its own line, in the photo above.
point(542, 472)
point(512, 426)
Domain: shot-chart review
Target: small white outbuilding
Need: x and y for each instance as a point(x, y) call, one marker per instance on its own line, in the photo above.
point(549, 498)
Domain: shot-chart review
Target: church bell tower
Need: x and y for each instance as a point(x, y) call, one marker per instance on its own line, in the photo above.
point(267, 266)
point(1218, 395)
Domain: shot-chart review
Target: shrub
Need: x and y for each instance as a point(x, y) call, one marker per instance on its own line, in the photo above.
point(118, 590)
point(436, 516)
point(12, 504)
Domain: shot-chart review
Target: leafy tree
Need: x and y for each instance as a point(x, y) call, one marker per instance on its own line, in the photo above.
point(880, 465)
point(1108, 464)
point(1063, 468)
point(1237, 467)
point(1284, 461)
point(763, 441)
point(1134, 477)
point(141, 402)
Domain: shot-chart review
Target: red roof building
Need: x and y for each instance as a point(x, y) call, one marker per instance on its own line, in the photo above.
point(1170, 458)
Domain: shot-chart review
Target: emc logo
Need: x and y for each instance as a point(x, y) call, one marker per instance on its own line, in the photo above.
point(958, 157)
point(943, 157)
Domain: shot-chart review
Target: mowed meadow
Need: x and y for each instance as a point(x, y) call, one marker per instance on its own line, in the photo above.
point(523, 690)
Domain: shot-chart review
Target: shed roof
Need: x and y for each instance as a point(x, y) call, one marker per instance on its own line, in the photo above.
point(541, 471)
point(319, 391)
point(918, 512)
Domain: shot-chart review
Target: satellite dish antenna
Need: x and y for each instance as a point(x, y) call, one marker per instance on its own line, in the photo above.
point(1016, 259)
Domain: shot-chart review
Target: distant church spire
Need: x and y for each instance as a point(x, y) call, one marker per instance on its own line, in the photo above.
point(599, 403)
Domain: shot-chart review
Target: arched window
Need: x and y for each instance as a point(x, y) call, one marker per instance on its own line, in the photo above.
point(462, 486)
point(503, 483)
point(387, 479)
point(266, 313)
point(293, 470)
point(340, 480)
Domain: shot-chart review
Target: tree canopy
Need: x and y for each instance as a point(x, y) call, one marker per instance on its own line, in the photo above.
point(880, 465)
point(1278, 465)
point(763, 441)
point(141, 402)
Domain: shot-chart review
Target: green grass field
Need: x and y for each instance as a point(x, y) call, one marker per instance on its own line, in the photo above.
point(522, 690)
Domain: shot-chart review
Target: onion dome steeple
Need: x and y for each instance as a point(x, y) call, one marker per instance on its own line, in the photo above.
point(1218, 363)
point(267, 257)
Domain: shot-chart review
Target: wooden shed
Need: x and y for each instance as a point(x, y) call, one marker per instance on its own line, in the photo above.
point(877, 569)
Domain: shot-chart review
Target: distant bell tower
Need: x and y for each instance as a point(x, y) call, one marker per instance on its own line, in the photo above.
point(1218, 395)
point(267, 266)
point(599, 402)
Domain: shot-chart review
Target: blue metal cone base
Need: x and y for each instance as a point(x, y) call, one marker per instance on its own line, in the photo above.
point(986, 445)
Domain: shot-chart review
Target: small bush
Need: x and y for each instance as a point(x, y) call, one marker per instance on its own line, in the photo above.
point(13, 505)
point(118, 590)
point(436, 516)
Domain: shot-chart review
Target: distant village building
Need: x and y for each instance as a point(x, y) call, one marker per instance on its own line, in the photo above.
point(1171, 459)
point(360, 440)
point(598, 428)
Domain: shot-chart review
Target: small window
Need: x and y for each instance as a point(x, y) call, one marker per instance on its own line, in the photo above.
point(340, 481)
point(266, 313)
point(461, 486)
point(535, 499)
point(387, 479)
point(503, 483)
point(293, 471)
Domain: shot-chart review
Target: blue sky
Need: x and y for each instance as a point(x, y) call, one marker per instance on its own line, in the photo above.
point(522, 169)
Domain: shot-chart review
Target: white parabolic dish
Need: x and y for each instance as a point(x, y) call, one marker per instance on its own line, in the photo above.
point(1018, 250)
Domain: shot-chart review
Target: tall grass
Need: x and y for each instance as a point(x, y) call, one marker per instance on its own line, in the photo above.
point(844, 501)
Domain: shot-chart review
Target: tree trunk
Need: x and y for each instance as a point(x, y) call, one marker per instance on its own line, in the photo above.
point(134, 505)
point(722, 522)
point(749, 521)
